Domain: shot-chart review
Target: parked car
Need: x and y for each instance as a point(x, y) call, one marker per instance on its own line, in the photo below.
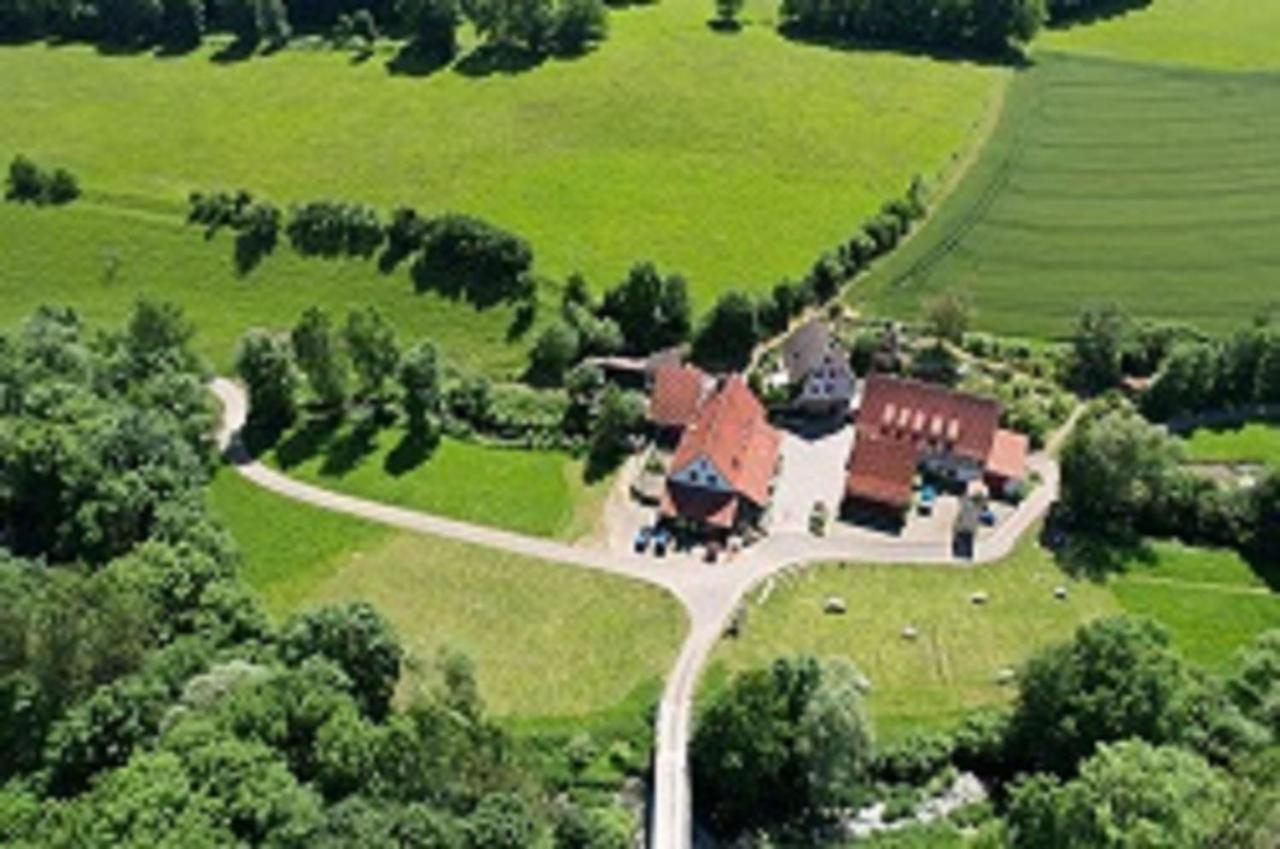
point(643, 537)
point(661, 542)
point(988, 517)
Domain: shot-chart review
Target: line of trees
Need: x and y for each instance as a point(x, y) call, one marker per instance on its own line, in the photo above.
point(430, 26)
point(1212, 374)
point(992, 27)
point(1113, 740)
point(1123, 477)
point(145, 697)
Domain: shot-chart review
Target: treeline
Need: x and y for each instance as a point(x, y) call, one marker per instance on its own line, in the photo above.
point(1113, 739)
point(991, 27)
point(1123, 477)
point(458, 255)
point(1201, 375)
point(324, 372)
point(429, 26)
point(27, 182)
point(145, 697)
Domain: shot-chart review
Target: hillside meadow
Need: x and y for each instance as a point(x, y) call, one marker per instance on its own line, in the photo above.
point(1211, 602)
point(549, 641)
point(734, 159)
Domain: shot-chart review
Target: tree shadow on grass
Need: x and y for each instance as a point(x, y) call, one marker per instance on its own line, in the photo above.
point(414, 61)
point(412, 451)
point(307, 441)
point(724, 27)
point(1086, 16)
point(233, 51)
point(489, 59)
point(1008, 58)
point(1096, 556)
point(348, 448)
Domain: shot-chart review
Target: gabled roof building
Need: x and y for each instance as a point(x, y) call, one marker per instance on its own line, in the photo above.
point(953, 435)
point(721, 475)
point(819, 365)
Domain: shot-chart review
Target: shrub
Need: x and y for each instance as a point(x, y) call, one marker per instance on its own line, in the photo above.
point(334, 228)
point(28, 183)
point(466, 255)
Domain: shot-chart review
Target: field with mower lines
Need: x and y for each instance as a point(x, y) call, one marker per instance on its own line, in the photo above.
point(1154, 187)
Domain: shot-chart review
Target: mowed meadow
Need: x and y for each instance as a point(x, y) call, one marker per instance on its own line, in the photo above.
point(733, 159)
point(1150, 185)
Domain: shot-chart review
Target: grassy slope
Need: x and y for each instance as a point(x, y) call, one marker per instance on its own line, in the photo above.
point(1223, 34)
point(535, 492)
point(1210, 601)
point(548, 640)
point(734, 159)
point(1254, 442)
point(62, 256)
point(1080, 197)
point(952, 666)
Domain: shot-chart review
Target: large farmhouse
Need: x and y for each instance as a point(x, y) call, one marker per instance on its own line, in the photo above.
point(676, 398)
point(721, 476)
point(905, 426)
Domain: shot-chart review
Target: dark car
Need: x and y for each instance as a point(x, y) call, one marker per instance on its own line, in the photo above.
point(643, 536)
point(661, 542)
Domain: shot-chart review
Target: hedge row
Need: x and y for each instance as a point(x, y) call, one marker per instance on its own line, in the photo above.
point(29, 183)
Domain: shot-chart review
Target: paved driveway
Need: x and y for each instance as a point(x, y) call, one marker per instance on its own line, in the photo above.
point(813, 469)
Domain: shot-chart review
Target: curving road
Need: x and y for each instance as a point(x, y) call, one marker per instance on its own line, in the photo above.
point(709, 594)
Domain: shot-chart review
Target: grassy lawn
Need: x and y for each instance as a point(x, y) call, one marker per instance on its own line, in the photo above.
point(1255, 442)
point(534, 492)
point(1210, 601)
point(63, 255)
point(952, 666)
point(1082, 198)
point(735, 159)
point(1224, 34)
point(548, 640)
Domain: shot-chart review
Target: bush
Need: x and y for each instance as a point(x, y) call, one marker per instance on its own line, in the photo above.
point(463, 255)
point(28, 183)
point(334, 228)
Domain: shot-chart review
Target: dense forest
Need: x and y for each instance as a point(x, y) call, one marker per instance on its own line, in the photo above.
point(147, 700)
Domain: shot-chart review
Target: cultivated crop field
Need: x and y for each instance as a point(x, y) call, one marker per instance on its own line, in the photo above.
point(548, 640)
point(733, 159)
point(1154, 187)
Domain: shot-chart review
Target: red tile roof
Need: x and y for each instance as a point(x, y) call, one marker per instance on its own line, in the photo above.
point(678, 392)
point(1008, 457)
point(881, 471)
point(922, 414)
point(731, 431)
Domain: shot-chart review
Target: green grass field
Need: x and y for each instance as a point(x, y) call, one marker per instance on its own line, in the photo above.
point(1222, 34)
point(1255, 442)
point(549, 641)
point(534, 492)
point(734, 159)
point(1211, 602)
point(1149, 186)
point(64, 256)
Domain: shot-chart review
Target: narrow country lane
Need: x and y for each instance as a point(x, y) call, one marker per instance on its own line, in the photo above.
point(709, 593)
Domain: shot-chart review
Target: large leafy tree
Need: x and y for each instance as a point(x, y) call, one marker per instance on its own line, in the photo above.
point(652, 311)
point(1130, 795)
point(371, 344)
point(356, 638)
point(265, 363)
point(1116, 679)
point(316, 349)
point(780, 742)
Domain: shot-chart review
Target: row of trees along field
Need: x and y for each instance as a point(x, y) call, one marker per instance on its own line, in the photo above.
point(984, 26)
point(145, 698)
point(1113, 740)
point(430, 26)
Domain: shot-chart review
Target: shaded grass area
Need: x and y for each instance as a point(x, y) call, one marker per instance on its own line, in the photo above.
point(1222, 34)
point(1255, 442)
point(550, 642)
point(100, 261)
point(1210, 600)
point(952, 666)
point(733, 159)
point(1080, 197)
point(531, 491)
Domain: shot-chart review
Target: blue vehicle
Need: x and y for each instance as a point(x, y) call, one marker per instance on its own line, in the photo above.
point(988, 517)
point(928, 495)
point(643, 536)
point(661, 542)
